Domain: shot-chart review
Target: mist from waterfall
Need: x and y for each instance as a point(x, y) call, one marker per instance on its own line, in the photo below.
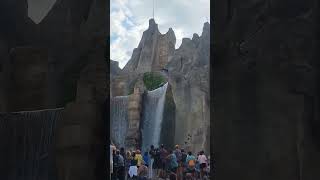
point(119, 119)
point(153, 107)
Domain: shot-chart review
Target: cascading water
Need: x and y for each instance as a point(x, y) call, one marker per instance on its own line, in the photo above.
point(27, 147)
point(119, 119)
point(152, 117)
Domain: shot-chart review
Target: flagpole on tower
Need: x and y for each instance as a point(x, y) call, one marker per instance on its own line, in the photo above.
point(153, 10)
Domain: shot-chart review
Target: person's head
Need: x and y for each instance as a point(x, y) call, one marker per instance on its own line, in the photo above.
point(189, 153)
point(182, 150)
point(128, 153)
point(133, 153)
point(118, 152)
point(138, 152)
point(162, 146)
point(152, 147)
point(177, 146)
point(122, 149)
point(170, 151)
point(201, 152)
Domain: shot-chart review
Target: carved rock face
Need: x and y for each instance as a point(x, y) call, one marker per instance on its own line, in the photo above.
point(264, 82)
point(153, 50)
point(189, 76)
point(290, 9)
point(28, 72)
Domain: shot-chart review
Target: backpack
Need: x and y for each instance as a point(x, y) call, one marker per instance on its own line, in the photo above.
point(192, 163)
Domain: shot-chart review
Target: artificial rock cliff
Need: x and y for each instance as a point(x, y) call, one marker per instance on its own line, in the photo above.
point(69, 34)
point(153, 50)
point(187, 71)
point(59, 62)
point(266, 90)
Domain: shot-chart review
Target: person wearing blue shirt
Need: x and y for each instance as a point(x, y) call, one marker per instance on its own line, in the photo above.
point(173, 163)
point(146, 158)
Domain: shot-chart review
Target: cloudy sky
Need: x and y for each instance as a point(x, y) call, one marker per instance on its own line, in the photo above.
point(38, 9)
point(129, 18)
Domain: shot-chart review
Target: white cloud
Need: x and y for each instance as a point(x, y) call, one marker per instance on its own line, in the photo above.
point(130, 18)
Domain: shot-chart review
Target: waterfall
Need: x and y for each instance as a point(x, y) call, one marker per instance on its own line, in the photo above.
point(119, 119)
point(27, 147)
point(152, 117)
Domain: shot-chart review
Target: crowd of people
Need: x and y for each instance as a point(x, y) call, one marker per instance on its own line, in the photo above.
point(158, 163)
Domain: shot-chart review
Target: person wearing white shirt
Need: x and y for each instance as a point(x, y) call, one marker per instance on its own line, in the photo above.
point(133, 171)
point(202, 159)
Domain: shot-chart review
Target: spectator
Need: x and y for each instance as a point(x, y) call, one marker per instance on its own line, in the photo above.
point(133, 170)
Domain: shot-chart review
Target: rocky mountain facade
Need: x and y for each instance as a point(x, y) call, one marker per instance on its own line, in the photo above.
point(266, 90)
point(114, 68)
point(69, 34)
point(187, 71)
point(153, 51)
point(59, 62)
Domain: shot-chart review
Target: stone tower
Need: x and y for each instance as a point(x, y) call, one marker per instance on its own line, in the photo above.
point(134, 116)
